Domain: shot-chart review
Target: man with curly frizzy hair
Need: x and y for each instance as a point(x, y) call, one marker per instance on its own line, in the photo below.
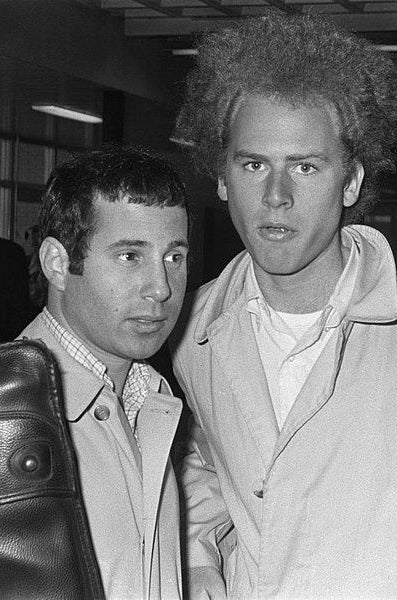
point(287, 359)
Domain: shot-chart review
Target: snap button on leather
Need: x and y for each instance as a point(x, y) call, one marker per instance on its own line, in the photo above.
point(29, 463)
point(102, 413)
point(32, 462)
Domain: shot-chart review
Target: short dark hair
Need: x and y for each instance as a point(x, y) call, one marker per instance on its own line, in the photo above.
point(297, 58)
point(114, 174)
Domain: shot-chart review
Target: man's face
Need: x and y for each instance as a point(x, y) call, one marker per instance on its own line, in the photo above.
point(128, 298)
point(285, 183)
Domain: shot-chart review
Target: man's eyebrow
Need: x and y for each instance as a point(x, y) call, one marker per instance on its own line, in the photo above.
point(176, 243)
point(310, 155)
point(246, 154)
point(127, 242)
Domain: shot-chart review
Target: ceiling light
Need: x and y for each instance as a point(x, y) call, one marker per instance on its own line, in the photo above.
point(67, 113)
point(387, 47)
point(181, 141)
point(193, 51)
point(184, 52)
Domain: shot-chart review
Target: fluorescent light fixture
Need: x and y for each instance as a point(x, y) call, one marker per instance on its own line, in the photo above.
point(181, 141)
point(387, 47)
point(184, 52)
point(67, 113)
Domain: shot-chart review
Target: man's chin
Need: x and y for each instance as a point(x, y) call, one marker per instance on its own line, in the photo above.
point(146, 350)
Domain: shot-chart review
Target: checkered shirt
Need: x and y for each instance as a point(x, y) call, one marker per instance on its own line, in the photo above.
point(136, 386)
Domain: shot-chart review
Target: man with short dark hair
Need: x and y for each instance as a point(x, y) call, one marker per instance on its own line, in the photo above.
point(114, 242)
point(288, 357)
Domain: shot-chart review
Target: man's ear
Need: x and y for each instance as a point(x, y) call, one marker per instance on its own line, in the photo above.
point(351, 191)
point(222, 191)
point(54, 262)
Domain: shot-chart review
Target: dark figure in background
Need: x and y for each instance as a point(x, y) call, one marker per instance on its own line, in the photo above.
point(289, 359)
point(16, 309)
point(37, 291)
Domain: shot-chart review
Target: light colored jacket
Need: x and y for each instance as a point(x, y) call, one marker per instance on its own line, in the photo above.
point(131, 498)
point(314, 507)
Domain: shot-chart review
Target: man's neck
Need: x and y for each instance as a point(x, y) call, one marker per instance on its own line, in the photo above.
point(118, 373)
point(303, 292)
point(288, 296)
point(117, 368)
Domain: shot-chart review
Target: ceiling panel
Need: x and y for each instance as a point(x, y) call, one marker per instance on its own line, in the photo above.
point(185, 17)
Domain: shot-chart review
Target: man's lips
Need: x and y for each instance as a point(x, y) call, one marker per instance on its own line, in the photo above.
point(276, 231)
point(147, 318)
point(146, 323)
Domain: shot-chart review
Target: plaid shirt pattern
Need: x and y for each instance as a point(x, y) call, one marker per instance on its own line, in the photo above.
point(136, 386)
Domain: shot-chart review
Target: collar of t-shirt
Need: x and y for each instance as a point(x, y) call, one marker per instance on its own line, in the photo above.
point(329, 318)
point(289, 344)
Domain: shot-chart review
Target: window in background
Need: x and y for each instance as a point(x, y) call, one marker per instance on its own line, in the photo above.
point(32, 143)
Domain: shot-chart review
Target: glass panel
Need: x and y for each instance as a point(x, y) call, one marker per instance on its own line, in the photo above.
point(75, 133)
point(5, 159)
point(49, 161)
point(32, 124)
point(31, 163)
point(6, 109)
point(5, 212)
point(27, 210)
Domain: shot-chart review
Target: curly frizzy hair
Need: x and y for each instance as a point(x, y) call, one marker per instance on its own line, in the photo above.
point(299, 59)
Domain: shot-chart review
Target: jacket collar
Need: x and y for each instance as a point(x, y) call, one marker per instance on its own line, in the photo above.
point(221, 294)
point(374, 296)
point(80, 386)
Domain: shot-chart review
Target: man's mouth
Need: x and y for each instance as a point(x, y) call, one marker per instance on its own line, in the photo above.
point(147, 324)
point(276, 232)
point(276, 228)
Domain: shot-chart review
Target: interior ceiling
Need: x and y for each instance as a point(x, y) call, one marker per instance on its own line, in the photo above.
point(376, 19)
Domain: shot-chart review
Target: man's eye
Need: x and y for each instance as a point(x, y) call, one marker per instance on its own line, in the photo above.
point(305, 169)
point(175, 258)
point(128, 256)
point(254, 165)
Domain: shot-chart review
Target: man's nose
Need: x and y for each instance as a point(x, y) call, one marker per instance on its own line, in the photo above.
point(156, 285)
point(277, 190)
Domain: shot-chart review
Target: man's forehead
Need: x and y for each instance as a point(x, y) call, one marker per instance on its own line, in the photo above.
point(311, 100)
point(137, 221)
point(314, 103)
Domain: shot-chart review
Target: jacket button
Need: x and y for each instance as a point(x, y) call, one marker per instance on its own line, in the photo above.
point(257, 488)
point(102, 413)
point(29, 463)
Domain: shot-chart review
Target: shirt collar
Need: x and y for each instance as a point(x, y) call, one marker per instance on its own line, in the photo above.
point(75, 348)
point(340, 302)
point(262, 312)
point(138, 378)
point(373, 298)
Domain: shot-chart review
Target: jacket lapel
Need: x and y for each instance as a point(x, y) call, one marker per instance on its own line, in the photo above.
point(317, 389)
point(80, 387)
point(248, 381)
point(158, 420)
